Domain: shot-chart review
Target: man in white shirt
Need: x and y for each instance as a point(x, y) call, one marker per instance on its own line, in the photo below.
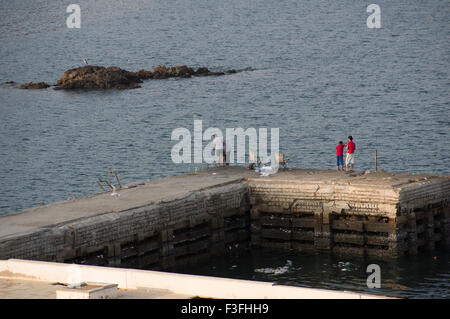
point(218, 146)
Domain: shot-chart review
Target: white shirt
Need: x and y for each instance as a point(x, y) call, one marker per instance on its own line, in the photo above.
point(218, 143)
point(227, 147)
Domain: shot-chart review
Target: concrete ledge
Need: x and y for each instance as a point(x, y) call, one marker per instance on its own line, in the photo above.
point(88, 291)
point(202, 286)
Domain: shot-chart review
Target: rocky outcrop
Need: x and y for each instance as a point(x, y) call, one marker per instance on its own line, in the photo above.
point(203, 71)
point(144, 74)
point(183, 71)
point(32, 85)
point(178, 71)
point(99, 77)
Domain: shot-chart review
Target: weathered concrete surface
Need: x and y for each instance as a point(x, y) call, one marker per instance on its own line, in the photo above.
point(131, 197)
point(39, 276)
point(382, 214)
point(176, 220)
point(12, 288)
point(182, 218)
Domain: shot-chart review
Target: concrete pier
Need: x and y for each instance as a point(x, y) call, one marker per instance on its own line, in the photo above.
point(374, 214)
point(184, 219)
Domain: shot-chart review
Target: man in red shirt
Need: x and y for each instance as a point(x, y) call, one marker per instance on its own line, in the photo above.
point(340, 156)
point(350, 153)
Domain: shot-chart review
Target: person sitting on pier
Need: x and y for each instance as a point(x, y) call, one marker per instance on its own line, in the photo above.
point(350, 153)
point(340, 156)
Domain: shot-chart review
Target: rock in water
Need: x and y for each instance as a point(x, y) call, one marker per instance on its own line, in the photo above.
point(34, 85)
point(204, 71)
point(160, 72)
point(178, 71)
point(99, 77)
point(144, 74)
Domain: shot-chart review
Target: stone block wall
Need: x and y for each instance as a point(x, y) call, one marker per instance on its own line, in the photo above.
point(362, 219)
point(160, 235)
point(365, 220)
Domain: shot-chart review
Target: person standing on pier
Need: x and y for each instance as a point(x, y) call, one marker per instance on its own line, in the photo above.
point(218, 146)
point(340, 156)
point(227, 152)
point(350, 153)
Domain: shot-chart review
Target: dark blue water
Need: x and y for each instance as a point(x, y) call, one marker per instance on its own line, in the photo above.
point(314, 70)
point(426, 276)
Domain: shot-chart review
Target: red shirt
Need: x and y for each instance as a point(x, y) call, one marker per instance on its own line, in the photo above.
point(340, 150)
point(350, 147)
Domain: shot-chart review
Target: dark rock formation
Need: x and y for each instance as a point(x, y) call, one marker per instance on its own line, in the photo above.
point(178, 71)
point(99, 77)
point(33, 85)
point(183, 71)
point(203, 71)
point(144, 74)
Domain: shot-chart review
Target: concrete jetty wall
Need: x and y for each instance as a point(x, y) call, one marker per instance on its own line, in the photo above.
point(159, 235)
point(370, 218)
point(186, 219)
